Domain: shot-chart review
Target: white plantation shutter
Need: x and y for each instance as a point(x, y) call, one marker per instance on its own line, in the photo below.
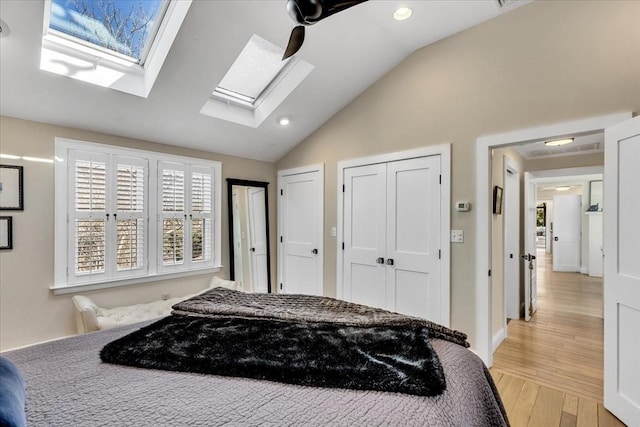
point(201, 215)
point(186, 216)
point(130, 216)
point(173, 215)
point(108, 217)
point(87, 219)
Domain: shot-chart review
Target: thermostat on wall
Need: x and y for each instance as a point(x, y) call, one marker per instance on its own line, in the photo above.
point(463, 206)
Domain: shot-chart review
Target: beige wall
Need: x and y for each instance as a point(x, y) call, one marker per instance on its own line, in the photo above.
point(543, 63)
point(29, 312)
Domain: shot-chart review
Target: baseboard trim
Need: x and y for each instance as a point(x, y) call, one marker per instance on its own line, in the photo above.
point(497, 339)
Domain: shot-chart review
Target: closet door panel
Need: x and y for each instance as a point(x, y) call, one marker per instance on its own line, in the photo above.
point(364, 235)
point(413, 236)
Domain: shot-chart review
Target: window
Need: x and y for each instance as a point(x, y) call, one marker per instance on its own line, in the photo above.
point(117, 27)
point(253, 71)
point(130, 215)
point(120, 44)
point(257, 82)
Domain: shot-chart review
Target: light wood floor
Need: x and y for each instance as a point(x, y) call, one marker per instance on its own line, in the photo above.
point(549, 371)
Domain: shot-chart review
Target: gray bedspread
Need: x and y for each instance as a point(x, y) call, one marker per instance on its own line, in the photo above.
point(68, 385)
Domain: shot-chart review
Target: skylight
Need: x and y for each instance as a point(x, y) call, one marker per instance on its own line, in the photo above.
point(124, 27)
point(252, 72)
point(119, 44)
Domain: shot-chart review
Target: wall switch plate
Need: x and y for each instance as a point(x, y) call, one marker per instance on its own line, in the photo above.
point(334, 232)
point(457, 236)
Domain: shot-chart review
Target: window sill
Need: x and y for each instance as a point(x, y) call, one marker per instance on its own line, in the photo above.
point(71, 289)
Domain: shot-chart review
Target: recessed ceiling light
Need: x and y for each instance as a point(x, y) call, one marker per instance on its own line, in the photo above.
point(402, 13)
point(558, 142)
point(284, 121)
point(563, 188)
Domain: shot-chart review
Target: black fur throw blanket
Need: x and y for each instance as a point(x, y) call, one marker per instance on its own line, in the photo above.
point(320, 354)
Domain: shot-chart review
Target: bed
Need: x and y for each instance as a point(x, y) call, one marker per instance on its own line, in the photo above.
point(68, 384)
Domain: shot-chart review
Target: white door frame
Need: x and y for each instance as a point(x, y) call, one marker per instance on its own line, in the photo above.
point(296, 171)
point(509, 165)
point(483, 338)
point(444, 150)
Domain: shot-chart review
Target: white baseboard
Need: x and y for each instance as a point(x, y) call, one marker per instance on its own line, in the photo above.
point(497, 339)
point(584, 270)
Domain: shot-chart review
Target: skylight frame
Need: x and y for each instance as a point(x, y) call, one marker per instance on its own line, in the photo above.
point(69, 56)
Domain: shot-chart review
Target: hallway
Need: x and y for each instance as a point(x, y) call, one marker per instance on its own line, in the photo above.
point(549, 371)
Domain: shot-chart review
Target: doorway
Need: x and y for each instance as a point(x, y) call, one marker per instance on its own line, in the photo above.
point(484, 338)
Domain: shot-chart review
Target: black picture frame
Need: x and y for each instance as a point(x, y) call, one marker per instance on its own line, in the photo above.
point(6, 232)
point(11, 188)
point(497, 200)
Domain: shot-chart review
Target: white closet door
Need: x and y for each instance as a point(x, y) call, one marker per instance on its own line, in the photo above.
point(413, 237)
point(301, 230)
point(364, 235)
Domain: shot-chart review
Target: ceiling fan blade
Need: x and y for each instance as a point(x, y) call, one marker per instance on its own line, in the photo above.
point(295, 42)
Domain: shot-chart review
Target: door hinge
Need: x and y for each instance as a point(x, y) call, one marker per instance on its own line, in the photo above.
point(280, 239)
point(343, 188)
point(343, 246)
point(281, 192)
point(439, 179)
point(489, 273)
point(439, 253)
point(280, 286)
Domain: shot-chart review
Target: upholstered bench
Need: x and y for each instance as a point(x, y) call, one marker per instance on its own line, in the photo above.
point(90, 317)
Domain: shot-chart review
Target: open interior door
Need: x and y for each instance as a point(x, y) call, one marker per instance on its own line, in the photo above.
point(529, 256)
point(622, 271)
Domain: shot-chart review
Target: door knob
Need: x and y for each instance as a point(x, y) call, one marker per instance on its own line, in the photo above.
point(380, 260)
point(389, 261)
point(314, 251)
point(555, 238)
point(253, 249)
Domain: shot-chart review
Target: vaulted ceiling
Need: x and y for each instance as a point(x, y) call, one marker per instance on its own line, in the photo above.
point(349, 52)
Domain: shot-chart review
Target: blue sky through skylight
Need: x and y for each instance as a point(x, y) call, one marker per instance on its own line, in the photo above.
point(123, 26)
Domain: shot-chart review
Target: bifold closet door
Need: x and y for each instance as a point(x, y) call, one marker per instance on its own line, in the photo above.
point(392, 236)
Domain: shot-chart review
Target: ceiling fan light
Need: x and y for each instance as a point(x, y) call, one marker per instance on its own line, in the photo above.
point(558, 142)
point(402, 13)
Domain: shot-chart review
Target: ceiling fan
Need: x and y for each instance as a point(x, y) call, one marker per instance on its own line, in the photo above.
point(308, 12)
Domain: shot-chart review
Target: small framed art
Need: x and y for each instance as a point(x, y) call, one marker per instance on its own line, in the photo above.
point(6, 232)
point(497, 200)
point(11, 188)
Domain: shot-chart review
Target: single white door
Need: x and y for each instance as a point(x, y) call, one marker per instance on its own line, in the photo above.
point(301, 221)
point(512, 243)
point(622, 271)
point(364, 277)
point(413, 238)
point(529, 256)
point(567, 227)
point(258, 238)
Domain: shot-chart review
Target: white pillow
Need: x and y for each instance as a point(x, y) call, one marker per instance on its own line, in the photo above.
point(218, 282)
